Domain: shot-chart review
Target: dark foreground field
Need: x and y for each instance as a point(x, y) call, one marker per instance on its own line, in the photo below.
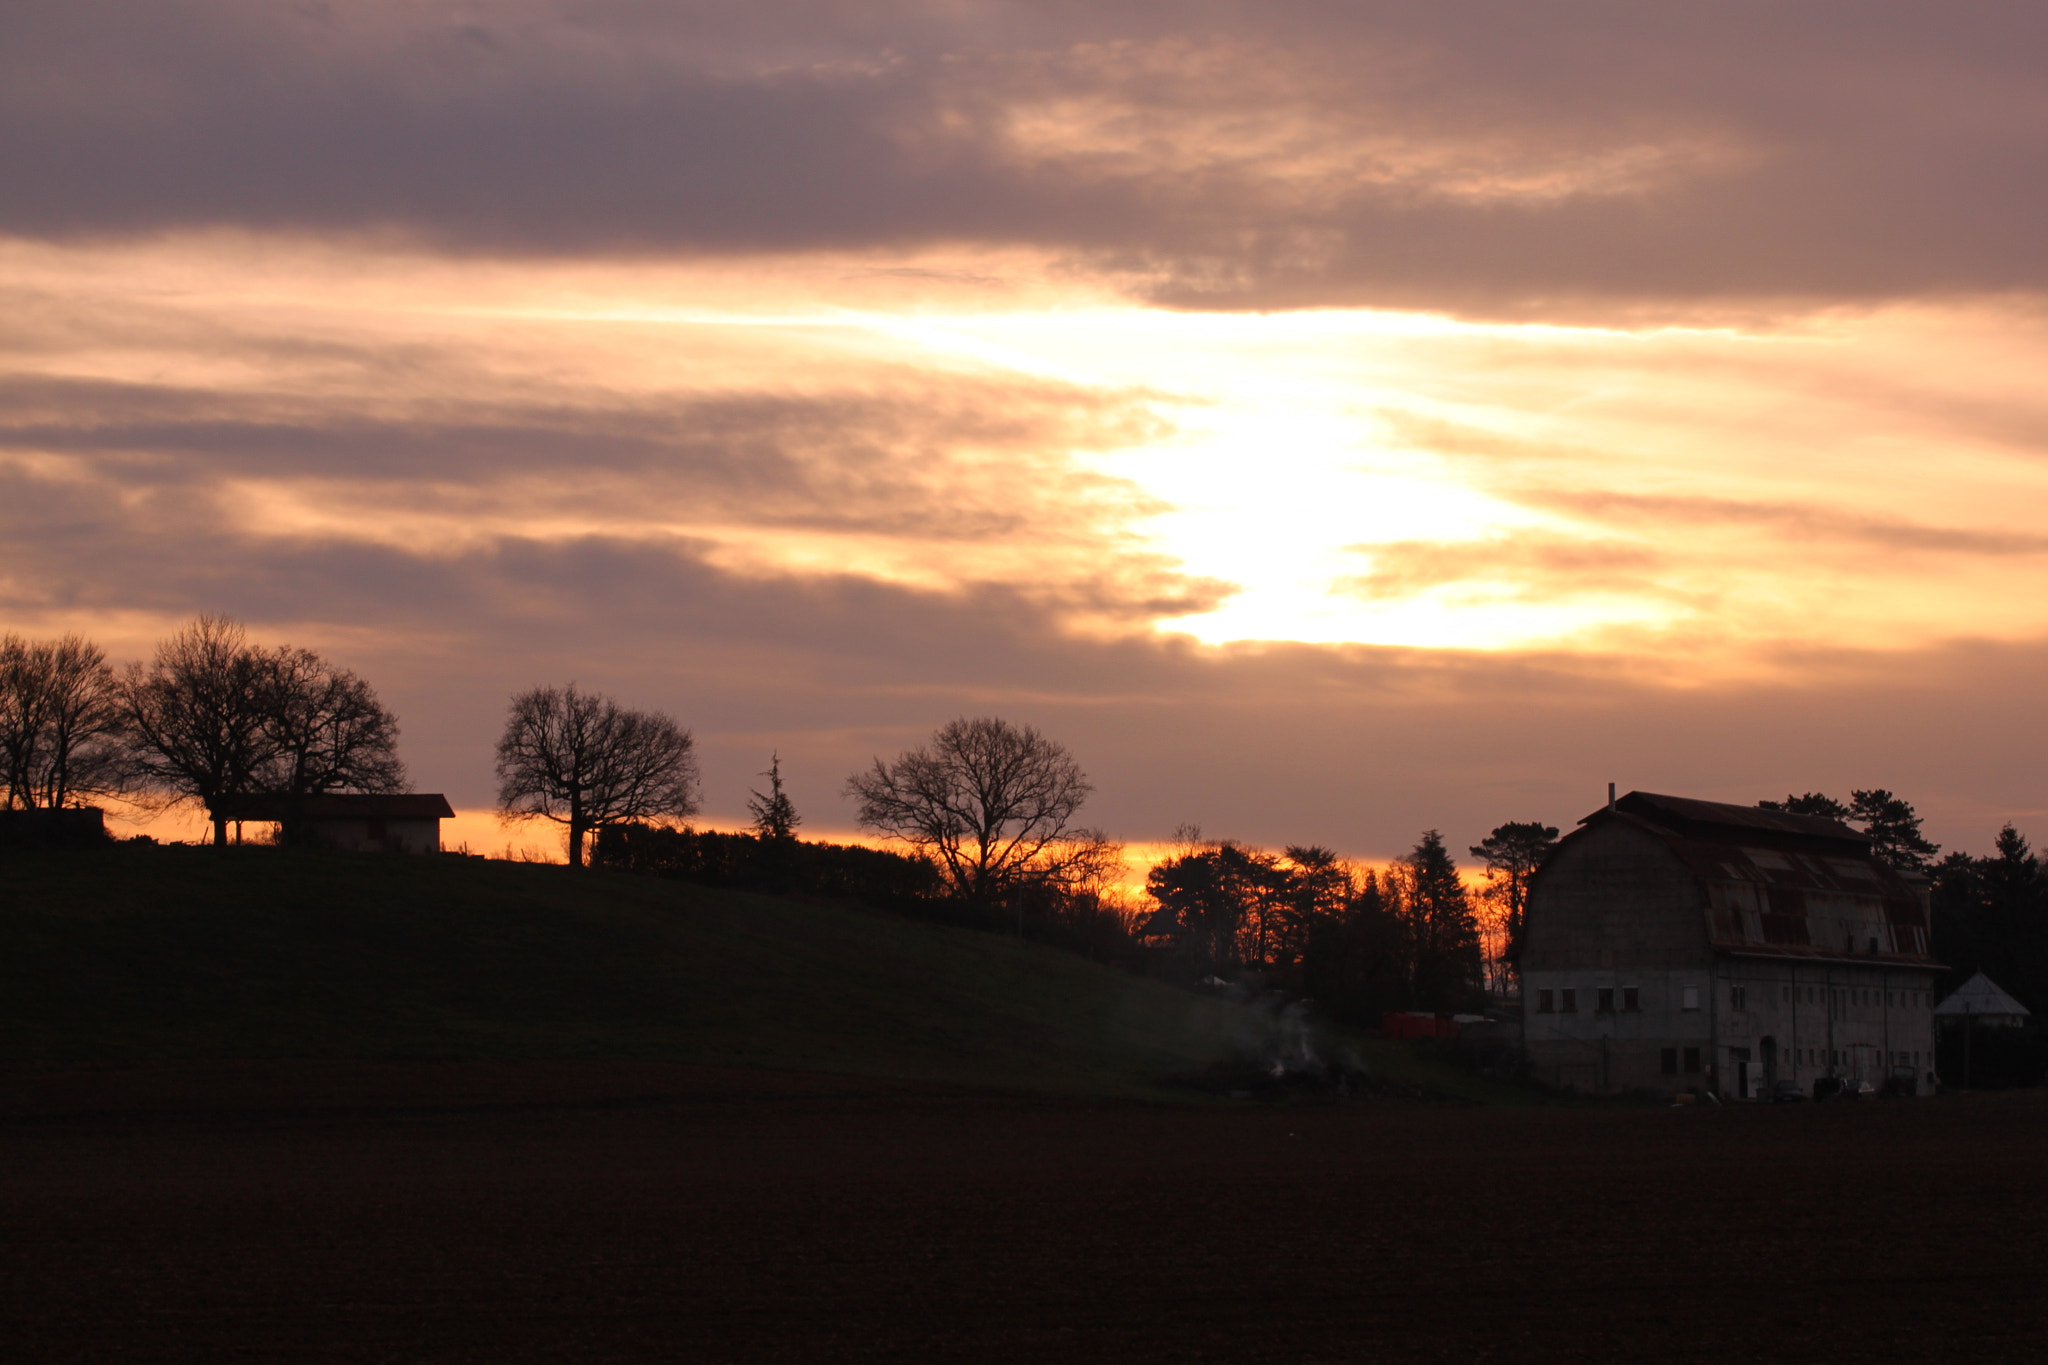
point(644, 1211)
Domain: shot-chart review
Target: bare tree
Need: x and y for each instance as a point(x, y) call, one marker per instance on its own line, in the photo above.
point(1512, 853)
point(992, 802)
point(199, 716)
point(329, 730)
point(213, 716)
point(582, 760)
point(60, 721)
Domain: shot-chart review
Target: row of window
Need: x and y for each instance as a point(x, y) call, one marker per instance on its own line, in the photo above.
point(1866, 997)
point(1566, 1001)
point(1820, 1056)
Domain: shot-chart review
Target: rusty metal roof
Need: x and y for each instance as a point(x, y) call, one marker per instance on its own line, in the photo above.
point(336, 806)
point(1780, 885)
point(1689, 816)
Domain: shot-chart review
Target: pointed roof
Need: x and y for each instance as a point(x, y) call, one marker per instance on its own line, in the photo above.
point(1980, 995)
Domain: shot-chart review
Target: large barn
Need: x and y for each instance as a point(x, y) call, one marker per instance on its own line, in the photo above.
point(1676, 945)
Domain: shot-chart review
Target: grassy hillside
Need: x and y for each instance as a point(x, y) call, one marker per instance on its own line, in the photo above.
point(159, 953)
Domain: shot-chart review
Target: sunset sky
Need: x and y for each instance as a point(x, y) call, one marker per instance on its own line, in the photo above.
point(1330, 420)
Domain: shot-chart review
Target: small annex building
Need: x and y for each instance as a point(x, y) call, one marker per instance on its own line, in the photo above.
point(409, 822)
point(1673, 944)
point(1980, 1000)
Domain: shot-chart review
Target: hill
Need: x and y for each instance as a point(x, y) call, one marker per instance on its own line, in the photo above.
point(145, 953)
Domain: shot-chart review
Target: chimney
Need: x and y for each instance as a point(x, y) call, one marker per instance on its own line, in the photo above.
point(1610, 796)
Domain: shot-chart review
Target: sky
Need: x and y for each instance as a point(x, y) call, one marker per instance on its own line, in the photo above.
point(1330, 421)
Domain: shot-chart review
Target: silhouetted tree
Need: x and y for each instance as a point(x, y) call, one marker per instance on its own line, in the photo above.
point(1892, 824)
point(1213, 901)
point(1354, 965)
point(212, 716)
point(1512, 853)
point(1445, 963)
point(199, 716)
point(583, 761)
point(330, 732)
point(1894, 829)
point(1813, 803)
point(992, 804)
point(775, 814)
point(60, 721)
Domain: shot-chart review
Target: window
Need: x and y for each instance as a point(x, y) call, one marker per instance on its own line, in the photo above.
point(1692, 1061)
point(1631, 1000)
point(1788, 995)
point(1543, 1003)
point(1570, 1003)
point(1738, 997)
point(1691, 998)
point(1604, 1001)
point(1670, 1059)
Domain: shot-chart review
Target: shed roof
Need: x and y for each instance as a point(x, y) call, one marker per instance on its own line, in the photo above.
point(336, 806)
point(1980, 995)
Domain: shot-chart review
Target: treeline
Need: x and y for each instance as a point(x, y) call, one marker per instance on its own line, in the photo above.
point(1991, 915)
point(209, 716)
point(1989, 912)
point(767, 862)
point(1357, 941)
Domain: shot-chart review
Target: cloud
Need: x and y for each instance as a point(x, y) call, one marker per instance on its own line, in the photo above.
point(1358, 748)
point(1598, 157)
point(1665, 515)
point(1516, 567)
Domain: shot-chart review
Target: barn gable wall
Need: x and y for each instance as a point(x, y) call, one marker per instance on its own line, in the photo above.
point(1614, 895)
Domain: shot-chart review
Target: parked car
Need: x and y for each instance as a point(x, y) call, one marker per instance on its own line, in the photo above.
point(1858, 1090)
point(1787, 1092)
point(1827, 1088)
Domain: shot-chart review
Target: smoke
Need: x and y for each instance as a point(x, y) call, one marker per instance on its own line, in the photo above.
point(1281, 1052)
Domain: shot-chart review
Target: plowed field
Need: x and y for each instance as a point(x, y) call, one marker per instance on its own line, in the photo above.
point(627, 1212)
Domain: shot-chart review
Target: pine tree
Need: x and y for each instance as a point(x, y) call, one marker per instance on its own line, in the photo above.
point(1813, 803)
point(775, 814)
point(1443, 932)
point(1894, 829)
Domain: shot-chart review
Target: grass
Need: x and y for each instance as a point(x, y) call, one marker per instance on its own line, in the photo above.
point(154, 953)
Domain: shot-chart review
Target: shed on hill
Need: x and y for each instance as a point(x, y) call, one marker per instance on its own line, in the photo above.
point(63, 827)
point(405, 823)
point(1674, 944)
point(1980, 1001)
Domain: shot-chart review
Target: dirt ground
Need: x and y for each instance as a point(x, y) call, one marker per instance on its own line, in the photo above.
point(613, 1212)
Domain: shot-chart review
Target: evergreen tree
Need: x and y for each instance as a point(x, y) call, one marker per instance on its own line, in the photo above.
point(1444, 955)
point(1892, 824)
point(1813, 803)
point(1894, 829)
point(775, 814)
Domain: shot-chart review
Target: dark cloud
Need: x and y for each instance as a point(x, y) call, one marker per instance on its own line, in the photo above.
point(1497, 157)
point(889, 451)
